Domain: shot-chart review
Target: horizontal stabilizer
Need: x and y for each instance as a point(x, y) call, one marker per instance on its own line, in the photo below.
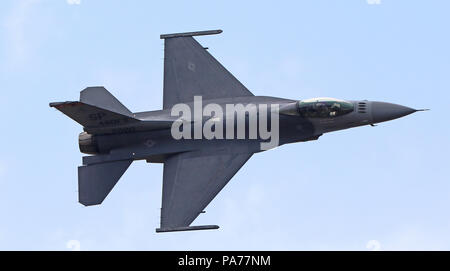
point(102, 98)
point(191, 228)
point(96, 181)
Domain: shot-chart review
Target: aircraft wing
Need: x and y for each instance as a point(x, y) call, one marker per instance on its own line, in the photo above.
point(191, 181)
point(189, 70)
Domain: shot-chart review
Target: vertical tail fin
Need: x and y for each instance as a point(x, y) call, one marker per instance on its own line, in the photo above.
point(98, 111)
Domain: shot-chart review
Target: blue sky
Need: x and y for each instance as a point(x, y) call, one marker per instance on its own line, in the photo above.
point(370, 187)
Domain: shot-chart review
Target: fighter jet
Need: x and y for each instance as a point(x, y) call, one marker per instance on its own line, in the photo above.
point(209, 126)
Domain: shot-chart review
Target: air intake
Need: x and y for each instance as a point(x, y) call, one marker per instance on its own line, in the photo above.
point(362, 107)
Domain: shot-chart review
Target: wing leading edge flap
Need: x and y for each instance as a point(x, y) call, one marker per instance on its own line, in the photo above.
point(189, 70)
point(191, 180)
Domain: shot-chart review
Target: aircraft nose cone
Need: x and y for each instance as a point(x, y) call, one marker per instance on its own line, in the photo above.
point(382, 111)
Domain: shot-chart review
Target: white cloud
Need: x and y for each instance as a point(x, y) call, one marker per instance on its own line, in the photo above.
point(373, 245)
point(73, 245)
point(15, 24)
point(2, 171)
point(374, 2)
point(73, 2)
point(417, 237)
point(28, 27)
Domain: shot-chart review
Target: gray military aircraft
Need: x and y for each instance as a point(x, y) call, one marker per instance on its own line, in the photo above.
point(197, 165)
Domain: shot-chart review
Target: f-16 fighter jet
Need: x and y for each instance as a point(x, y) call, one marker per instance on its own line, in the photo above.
point(209, 126)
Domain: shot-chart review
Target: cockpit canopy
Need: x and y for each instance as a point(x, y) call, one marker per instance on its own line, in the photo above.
point(323, 107)
point(318, 108)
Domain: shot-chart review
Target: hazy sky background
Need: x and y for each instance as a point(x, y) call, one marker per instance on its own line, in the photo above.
point(388, 183)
